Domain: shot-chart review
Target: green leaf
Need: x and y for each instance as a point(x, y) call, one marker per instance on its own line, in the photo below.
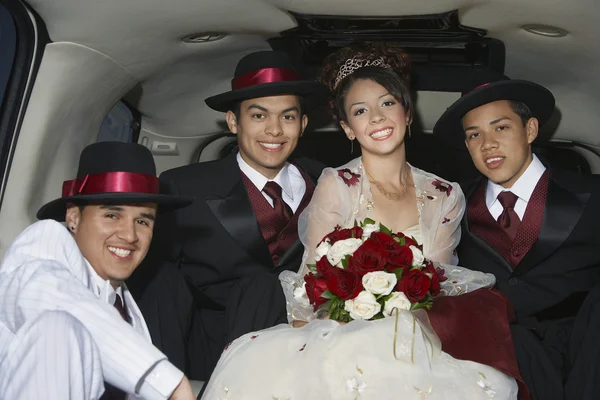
point(385, 229)
point(368, 221)
point(345, 261)
point(312, 268)
point(328, 295)
point(398, 272)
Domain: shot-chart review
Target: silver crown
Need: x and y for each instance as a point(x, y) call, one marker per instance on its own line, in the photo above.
point(352, 64)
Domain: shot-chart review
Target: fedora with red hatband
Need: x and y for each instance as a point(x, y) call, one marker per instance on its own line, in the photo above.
point(539, 100)
point(113, 173)
point(264, 74)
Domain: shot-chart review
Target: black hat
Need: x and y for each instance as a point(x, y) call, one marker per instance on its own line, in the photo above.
point(262, 74)
point(113, 173)
point(539, 100)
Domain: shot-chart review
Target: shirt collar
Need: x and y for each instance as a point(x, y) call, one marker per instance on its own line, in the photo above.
point(523, 187)
point(104, 289)
point(259, 180)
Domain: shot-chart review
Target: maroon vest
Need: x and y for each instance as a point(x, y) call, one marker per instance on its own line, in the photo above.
point(482, 224)
point(279, 236)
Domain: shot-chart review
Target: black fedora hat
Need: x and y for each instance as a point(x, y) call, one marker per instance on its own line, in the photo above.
point(539, 100)
point(113, 173)
point(262, 74)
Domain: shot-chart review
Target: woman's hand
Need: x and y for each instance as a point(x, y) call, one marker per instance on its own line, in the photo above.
point(298, 323)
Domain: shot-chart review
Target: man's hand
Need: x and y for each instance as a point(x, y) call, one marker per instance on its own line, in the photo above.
point(183, 391)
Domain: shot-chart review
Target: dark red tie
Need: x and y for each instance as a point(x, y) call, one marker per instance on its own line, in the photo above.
point(509, 220)
point(273, 190)
point(111, 392)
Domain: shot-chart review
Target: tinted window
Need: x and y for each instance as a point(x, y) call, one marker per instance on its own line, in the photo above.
point(8, 42)
point(120, 125)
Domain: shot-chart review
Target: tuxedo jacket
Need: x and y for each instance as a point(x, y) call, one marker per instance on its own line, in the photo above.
point(563, 264)
point(217, 240)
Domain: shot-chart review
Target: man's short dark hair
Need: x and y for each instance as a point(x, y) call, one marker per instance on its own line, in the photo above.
point(521, 110)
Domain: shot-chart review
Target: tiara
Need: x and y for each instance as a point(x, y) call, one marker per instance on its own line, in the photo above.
point(352, 64)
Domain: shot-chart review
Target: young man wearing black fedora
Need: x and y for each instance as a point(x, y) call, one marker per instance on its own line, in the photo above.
point(217, 262)
point(533, 227)
point(69, 328)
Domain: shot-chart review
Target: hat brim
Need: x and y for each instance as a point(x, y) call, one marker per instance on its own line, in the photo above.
point(56, 209)
point(225, 101)
point(539, 100)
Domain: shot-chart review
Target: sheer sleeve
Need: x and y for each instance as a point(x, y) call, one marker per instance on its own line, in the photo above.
point(330, 206)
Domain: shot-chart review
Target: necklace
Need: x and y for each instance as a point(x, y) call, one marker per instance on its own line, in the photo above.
point(394, 196)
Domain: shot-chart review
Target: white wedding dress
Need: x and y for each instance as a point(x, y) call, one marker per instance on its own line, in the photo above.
point(392, 358)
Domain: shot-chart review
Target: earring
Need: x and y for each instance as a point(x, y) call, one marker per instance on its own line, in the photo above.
point(351, 146)
point(72, 228)
point(409, 134)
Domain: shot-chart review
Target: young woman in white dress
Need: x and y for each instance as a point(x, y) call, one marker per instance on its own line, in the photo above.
point(407, 358)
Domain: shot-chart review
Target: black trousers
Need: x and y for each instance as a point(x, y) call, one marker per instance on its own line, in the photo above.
point(561, 359)
point(193, 335)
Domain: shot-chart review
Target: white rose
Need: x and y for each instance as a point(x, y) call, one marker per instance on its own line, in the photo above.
point(399, 301)
point(300, 295)
point(379, 282)
point(368, 229)
point(341, 249)
point(418, 257)
point(363, 306)
point(322, 250)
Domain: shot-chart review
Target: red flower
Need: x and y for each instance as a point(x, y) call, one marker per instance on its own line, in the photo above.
point(408, 241)
point(369, 257)
point(442, 187)
point(387, 241)
point(314, 289)
point(402, 257)
point(435, 278)
point(342, 234)
point(343, 283)
point(349, 177)
point(323, 265)
point(415, 285)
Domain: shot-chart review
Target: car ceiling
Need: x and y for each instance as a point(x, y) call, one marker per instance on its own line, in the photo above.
point(174, 77)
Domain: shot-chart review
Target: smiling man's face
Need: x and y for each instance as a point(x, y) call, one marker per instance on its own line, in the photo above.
point(113, 238)
point(499, 142)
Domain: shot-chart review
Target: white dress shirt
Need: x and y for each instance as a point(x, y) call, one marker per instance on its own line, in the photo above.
point(523, 188)
point(43, 270)
point(289, 178)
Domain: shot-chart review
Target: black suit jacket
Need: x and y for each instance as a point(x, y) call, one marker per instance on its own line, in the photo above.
point(216, 240)
point(562, 265)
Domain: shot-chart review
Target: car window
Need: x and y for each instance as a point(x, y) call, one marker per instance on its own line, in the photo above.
point(8, 43)
point(122, 124)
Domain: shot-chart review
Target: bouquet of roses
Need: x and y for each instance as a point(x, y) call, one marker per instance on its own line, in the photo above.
point(367, 271)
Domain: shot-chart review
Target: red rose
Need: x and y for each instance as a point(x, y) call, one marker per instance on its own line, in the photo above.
point(435, 281)
point(323, 265)
point(342, 234)
point(401, 257)
point(408, 241)
point(369, 257)
point(415, 285)
point(343, 283)
point(315, 287)
point(387, 241)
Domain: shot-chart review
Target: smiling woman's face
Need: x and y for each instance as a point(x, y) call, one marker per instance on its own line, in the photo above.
point(113, 238)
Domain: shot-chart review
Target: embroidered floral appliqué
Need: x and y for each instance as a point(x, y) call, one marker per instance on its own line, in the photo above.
point(442, 187)
point(350, 178)
point(445, 221)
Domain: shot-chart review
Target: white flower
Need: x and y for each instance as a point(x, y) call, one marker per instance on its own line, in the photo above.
point(379, 282)
point(300, 295)
point(363, 306)
point(368, 229)
point(399, 301)
point(418, 257)
point(322, 250)
point(341, 249)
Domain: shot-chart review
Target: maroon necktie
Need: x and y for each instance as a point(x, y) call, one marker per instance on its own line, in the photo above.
point(509, 220)
point(111, 392)
point(281, 208)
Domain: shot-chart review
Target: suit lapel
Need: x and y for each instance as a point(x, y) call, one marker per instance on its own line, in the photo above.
point(561, 213)
point(231, 206)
